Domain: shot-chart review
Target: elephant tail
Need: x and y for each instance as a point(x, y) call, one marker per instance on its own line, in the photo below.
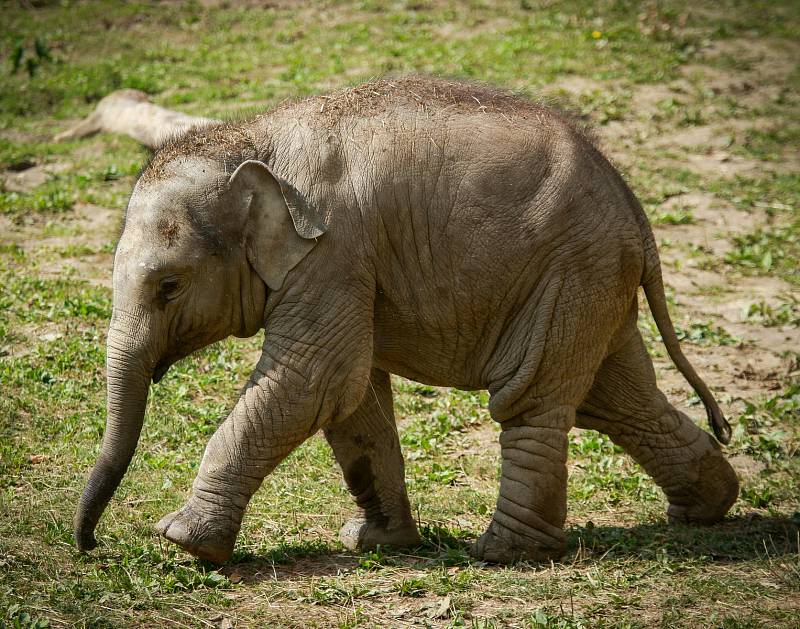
point(653, 285)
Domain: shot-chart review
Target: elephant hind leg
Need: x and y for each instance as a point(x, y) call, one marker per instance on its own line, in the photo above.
point(367, 448)
point(536, 408)
point(532, 506)
point(686, 462)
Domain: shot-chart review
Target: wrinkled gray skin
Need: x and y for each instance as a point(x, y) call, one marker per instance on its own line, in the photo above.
point(479, 247)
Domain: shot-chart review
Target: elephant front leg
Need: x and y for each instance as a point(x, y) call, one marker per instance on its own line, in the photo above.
point(529, 519)
point(249, 444)
point(292, 393)
point(367, 448)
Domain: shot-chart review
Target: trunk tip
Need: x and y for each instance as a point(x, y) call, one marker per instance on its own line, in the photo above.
point(85, 542)
point(84, 535)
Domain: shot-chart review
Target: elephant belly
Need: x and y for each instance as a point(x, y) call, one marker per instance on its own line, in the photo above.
point(427, 351)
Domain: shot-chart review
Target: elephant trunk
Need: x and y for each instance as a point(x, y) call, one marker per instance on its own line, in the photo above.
point(129, 371)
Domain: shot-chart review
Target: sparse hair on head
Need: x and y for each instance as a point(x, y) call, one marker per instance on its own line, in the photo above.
point(226, 142)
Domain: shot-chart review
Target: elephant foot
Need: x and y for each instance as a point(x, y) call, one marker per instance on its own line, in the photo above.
point(499, 545)
point(361, 534)
point(708, 500)
point(199, 535)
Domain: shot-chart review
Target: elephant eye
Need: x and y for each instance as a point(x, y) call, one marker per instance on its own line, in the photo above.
point(168, 288)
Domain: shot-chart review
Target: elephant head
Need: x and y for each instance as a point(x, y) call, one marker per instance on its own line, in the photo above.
point(198, 256)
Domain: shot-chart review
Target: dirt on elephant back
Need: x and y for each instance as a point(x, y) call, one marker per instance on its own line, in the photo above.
point(430, 95)
point(234, 142)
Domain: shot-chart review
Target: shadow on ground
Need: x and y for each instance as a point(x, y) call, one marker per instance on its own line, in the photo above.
point(733, 540)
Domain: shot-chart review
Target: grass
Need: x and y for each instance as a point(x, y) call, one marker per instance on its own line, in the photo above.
point(42, 201)
point(768, 249)
point(785, 313)
point(624, 566)
point(678, 216)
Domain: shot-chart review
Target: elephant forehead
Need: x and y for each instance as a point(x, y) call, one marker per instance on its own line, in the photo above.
point(161, 212)
point(184, 184)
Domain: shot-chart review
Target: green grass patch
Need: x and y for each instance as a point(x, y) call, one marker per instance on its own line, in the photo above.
point(774, 249)
point(678, 216)
point(785, 313)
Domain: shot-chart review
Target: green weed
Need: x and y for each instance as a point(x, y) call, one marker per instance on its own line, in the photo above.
point(768, 427)
point(769, 249)
point(705, 334)
point(677, 110)
point(29, 57)
point(785, 313)
point(678, 216)
point(50, 202)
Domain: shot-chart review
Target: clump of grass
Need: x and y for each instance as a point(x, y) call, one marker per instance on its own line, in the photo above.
point(655, 187)
point(770, 144)
point(705, 333)
point(52, 201)
point(679, 111)
point(769, 428)
point(767, 250)
point(773, 193)
point(18, 618)
point(785, 313)
point(678, 216)
point(604, 106)
point(30, 56)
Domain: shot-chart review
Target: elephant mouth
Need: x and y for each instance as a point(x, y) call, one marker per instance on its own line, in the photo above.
point(161, 369)
point(163, 365)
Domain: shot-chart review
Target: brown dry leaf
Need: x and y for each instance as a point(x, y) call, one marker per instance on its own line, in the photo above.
point(442, 610)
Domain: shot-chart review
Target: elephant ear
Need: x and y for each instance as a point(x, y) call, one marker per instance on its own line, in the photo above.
point(280, 225)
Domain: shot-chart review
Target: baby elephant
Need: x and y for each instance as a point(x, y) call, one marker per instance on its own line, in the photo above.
point(452, 234)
